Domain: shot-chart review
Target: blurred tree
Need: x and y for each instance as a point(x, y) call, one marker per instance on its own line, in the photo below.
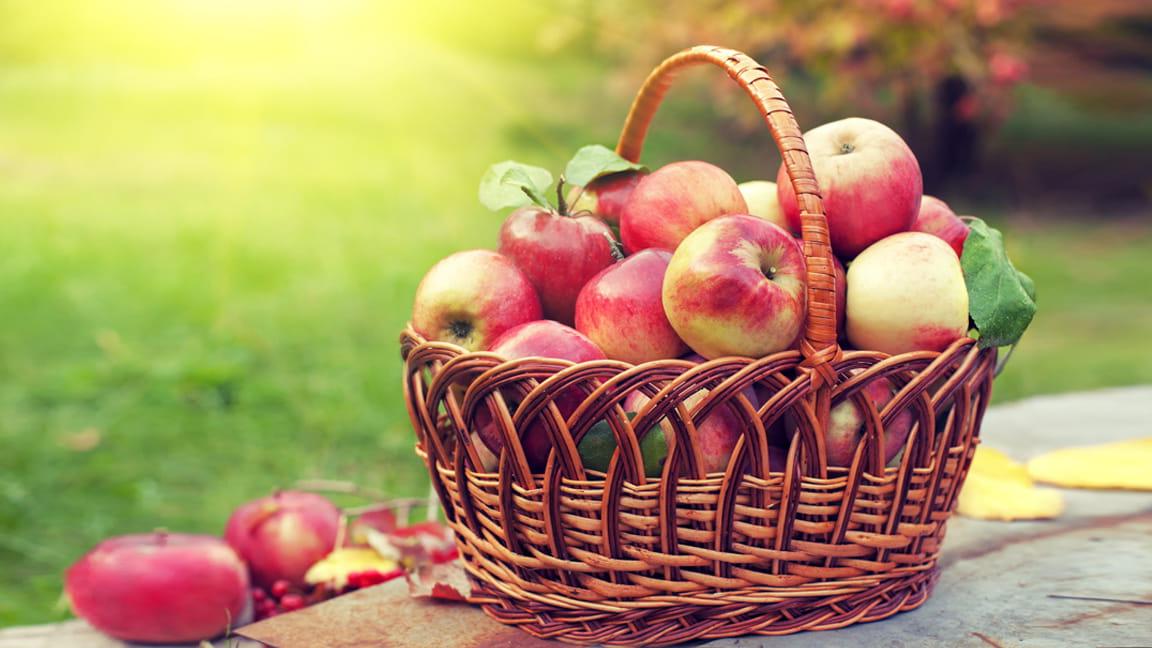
point(939, 71)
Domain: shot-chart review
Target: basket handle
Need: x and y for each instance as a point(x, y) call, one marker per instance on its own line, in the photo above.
point(819, 345)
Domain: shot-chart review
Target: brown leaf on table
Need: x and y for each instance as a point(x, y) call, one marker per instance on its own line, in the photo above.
point(446, 581)
point(1121, 465)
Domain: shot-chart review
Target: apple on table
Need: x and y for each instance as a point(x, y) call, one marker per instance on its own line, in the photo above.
point(282, 535)
point(159, 588)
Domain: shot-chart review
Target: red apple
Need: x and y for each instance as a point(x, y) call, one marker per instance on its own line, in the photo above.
point(674, 200)
point(620, 310)
point(735, 286)
point(282, 535)
point(558, 254)
point(936, 218)
point(544, 339)
point(846, 426)
point(159, 588)
point(869, 179)
point(906, 293)
point(606, 196)
point(470, 298)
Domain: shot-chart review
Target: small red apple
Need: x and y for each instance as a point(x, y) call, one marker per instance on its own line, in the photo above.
point(846, 426)
point(606, 196)
point(621, 310)
point(735, 286)
point(869, 179)
point(558, 254)
point(282, 535)
point(674, 200)
point(938, 219)
point(159, 588)
point(543, 339)
point(470, 298)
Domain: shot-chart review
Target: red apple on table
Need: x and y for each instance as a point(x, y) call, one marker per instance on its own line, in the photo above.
point(470, 298)
point(674, 200)
point(936, 218)
point(846, 425)
point(558, 253)
point(621, 310)
point(906, 293)
point(869, 179)
point(542, 339)
point(606, 196)
point(763, 201)
point(282, 535)
point(159, 588)
point(735, 286)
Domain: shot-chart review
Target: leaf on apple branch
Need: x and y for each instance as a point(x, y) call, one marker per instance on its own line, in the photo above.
point(1001, 299)
point(594, 161)
point(512, 184)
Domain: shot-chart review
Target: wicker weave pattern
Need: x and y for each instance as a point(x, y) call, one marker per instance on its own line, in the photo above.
point(778, 542)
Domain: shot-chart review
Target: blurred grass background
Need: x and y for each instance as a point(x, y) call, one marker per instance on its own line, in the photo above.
point(213, 218)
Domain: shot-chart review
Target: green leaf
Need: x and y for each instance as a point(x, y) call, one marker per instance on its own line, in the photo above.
point(594, 161)
point(1001, 299)
point(511, 184)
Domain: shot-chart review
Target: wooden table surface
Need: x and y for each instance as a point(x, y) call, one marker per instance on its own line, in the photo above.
point(1082, 580)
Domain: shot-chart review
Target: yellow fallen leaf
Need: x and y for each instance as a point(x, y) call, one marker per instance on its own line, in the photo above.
point(999, 488)
point(988, 497)
point(1124, 465)
point(994, 463)
point(334, 568)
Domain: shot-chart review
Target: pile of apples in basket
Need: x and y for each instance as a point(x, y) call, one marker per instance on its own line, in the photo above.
point(682, 262)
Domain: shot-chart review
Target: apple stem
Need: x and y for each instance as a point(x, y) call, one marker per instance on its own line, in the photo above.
point(561, 204)
point(616, 247)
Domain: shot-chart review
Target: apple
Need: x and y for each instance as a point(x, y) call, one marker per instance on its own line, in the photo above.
point(159, 588)
point(542, 339)
point(621, 310)
point(936, 218)
point(606, 196)
point(735, 286)
point(470, 298)
point(282, 535)
point(869, 179)
point(558, 254)
point(906, 293)
point(846, 425)
point(674, 200)
point(763, 202)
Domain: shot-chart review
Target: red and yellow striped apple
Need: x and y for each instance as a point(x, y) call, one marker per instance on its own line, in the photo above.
point(869, 179)
point(282, 535)
point(906, 293)
point(470, 298)
point(936, 218)
point(621, 310)
point(558, 254)
point(846, 425)
point(735, 286)
point(674, 200)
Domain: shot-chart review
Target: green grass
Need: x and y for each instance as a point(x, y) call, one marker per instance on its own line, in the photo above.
point(206, 272)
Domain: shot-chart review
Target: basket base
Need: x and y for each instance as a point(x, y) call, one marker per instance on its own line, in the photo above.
point(667, 626)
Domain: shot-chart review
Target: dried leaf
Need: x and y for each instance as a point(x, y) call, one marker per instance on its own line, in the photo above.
point(999, 488)
point(333, 570)
point(991, 498)
point(1122, 465)
point(447, 581)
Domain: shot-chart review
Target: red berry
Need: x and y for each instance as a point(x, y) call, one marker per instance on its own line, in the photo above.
point(291, 602)
point(258, 594)
point(280, 588)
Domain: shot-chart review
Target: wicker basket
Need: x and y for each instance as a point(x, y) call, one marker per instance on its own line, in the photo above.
point(619, 558)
